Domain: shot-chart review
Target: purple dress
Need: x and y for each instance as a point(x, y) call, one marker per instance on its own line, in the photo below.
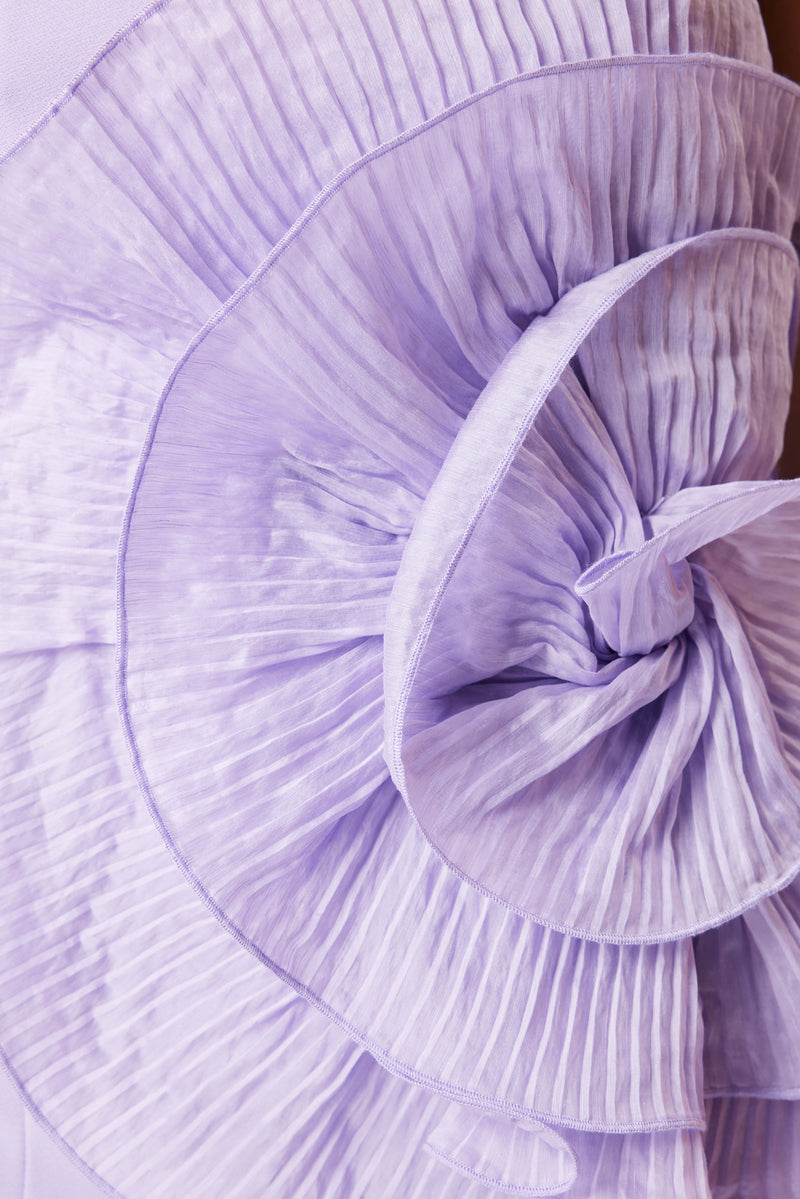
point(401, 670)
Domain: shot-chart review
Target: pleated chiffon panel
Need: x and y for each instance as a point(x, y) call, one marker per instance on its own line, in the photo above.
point(401, 735)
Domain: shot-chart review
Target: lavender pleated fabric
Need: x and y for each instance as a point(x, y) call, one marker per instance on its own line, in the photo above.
point(401, 630)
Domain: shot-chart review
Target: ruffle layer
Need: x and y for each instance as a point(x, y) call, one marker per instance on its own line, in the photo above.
point(306, 92)
point(116, 978)
point(115, 975)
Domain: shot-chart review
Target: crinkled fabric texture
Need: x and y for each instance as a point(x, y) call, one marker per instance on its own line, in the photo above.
point(400, 705)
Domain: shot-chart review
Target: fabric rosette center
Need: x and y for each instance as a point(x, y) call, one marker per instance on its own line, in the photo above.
point(577, 704)
point(638, 601)
point(640, 598)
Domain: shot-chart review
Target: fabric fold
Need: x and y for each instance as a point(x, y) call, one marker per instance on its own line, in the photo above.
point(517, 1159)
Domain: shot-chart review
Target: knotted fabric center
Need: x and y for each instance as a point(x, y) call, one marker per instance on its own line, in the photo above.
point(637, 602)
point(641, 598)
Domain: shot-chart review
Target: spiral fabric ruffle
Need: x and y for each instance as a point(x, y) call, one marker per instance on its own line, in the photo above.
point(401, 669)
